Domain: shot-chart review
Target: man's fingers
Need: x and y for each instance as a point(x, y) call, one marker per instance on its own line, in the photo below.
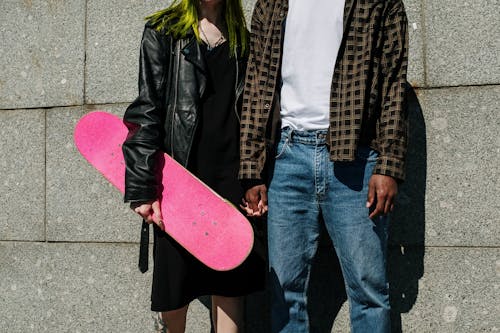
point(249, 198)
point(371, 195)
point(263, 207)
point(382, 191)
point(263, 197)
point(388, 204)
point(379, 208)
point(255, 201)
point(376, 212)
point(252, 197)
point(262, 200)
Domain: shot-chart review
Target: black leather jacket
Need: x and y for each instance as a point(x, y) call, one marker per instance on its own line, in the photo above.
point(164, 116)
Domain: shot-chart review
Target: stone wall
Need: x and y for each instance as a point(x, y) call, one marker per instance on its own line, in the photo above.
point(68, 247)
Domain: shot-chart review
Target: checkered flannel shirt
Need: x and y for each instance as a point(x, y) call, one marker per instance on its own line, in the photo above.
point(367, 92)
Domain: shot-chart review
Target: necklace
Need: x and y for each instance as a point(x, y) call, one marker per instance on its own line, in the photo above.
point(217, 43)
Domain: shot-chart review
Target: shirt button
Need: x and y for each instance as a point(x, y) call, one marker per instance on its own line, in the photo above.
point(281, 14)
point(267, 105)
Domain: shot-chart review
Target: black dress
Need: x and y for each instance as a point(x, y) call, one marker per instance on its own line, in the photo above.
point(178, 277)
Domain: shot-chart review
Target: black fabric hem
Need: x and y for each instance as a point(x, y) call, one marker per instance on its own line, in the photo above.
point(187, 301)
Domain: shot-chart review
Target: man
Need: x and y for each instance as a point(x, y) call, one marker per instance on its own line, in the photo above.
point(324, 96)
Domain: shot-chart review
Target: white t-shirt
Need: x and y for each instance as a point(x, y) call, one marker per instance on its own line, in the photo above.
point(313, 34)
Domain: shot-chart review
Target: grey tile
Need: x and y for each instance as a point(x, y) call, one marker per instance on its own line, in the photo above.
point(416, 76)
point(42, 53)
point(248, 9)
point(408, 229)
point(463, 158)
point(342, 322)
point(457, 294)
point(22, 175)
point(62, 287)
point(114, 30)
point(198, 317)
point(462, 42)
point(81, 204)
point(72, 288)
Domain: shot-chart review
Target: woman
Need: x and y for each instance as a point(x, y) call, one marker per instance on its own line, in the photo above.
point(192, 63)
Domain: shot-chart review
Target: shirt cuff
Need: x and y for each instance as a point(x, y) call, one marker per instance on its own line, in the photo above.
point(390, 166)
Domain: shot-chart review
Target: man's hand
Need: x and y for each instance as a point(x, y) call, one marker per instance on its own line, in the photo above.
point(149, 211)
point(382, 191)
point(255, 201)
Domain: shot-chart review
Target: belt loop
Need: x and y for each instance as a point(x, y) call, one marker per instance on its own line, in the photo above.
point(288, 132)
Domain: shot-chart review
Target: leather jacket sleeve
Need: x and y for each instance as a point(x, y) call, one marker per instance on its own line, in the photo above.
point(144, 119)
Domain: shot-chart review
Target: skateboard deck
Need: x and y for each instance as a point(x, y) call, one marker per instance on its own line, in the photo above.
point(205, 224)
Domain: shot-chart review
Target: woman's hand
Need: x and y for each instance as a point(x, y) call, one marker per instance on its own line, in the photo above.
point(149, 211)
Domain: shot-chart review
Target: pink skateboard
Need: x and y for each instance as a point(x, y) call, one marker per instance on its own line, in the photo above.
point(205, 224)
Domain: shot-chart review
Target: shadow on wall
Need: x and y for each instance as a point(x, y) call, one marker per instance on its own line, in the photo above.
point(405, 257)
point(407, 232)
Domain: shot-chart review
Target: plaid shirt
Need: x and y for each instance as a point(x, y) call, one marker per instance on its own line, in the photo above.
point(367, 91)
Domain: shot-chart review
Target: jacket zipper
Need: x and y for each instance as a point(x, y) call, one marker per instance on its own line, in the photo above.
point(188, 153)
point(176, 71)
point(236, 95)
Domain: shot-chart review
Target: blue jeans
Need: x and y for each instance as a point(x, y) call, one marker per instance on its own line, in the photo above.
point(305, 184)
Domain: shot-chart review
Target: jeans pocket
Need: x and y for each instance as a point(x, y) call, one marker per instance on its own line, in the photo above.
point(282, 147)
point(366, 154)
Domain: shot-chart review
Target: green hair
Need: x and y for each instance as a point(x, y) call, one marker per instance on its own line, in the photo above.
point(181, 17)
